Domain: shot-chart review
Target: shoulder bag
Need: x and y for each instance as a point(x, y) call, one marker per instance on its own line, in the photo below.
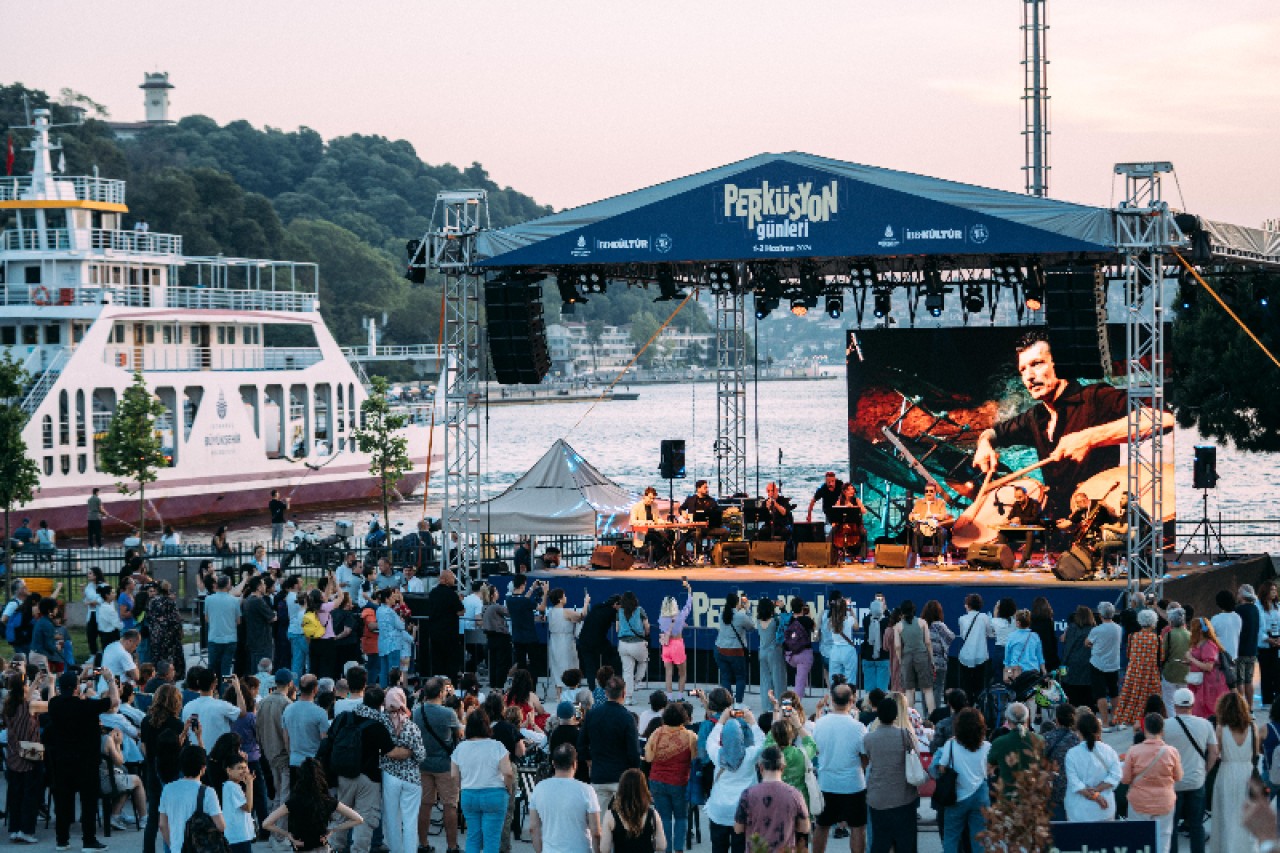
point(944, 792)
point(817, 802)
point(916, 774)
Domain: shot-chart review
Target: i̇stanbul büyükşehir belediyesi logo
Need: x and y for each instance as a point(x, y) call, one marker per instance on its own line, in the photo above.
point(780, 211)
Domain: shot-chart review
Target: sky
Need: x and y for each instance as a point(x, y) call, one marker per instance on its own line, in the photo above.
point(571, 101)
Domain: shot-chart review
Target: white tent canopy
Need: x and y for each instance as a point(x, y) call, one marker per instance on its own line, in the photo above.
point(561, 495)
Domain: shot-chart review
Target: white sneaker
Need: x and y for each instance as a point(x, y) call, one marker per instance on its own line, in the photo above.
point(117, 822)
point(28, 838)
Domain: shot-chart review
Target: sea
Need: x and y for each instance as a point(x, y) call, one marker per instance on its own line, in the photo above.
point(797, 430)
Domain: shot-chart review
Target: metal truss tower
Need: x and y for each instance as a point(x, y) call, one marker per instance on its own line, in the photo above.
point(1145, 231)
point(456, 219)
point(731, 392)
point(1035, 95)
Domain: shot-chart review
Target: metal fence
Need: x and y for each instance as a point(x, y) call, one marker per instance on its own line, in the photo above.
point(1237, 535)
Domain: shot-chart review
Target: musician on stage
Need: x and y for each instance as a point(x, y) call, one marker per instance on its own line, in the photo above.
point(700, 506)
point(778, 516)
point(1023, 512)
point(931, 522)
point(829, 492)
point(1079, 427)
point(1081, 505)
point(848, 530)
point(643, 515)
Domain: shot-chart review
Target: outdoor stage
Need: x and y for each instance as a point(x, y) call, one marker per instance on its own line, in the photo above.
point(1189, 582)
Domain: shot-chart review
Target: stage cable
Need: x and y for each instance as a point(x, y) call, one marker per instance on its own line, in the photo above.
point(630, 363)
point(1227, 308)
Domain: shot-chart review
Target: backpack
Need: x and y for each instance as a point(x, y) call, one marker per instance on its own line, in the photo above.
point(796, 638)
point(1227, 664)
point(13, 626)
point(780, 628)
point(341, 753)
point(202, 834)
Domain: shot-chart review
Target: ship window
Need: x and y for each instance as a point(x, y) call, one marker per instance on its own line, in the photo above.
point(150, 333)
point(66, 464)
point(64, 418)
point(249, 334)
point(167, 336)
point(231, 334)
point(48, 466)
point(53, 334)
point(93, 273)
point(33, 275)
point(119, 333)
point(30, 335)
point(115, 275)
point(82, 463)
point(222, 335)
point(77, 332)
point(46, 431)
point(9, 335)
point(81, 426)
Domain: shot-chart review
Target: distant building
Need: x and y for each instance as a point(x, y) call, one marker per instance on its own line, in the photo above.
point(155, 102)
point(573, 353)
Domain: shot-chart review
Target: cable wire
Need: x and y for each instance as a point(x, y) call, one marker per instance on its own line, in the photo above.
point(1227, 308)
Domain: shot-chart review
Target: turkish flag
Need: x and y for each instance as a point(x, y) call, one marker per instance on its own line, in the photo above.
point(8, 157)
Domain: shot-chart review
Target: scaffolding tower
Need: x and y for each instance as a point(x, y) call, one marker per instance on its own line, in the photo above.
point(731, 392)
point(1145, 232)
point(1035, 95)
point(457, 217)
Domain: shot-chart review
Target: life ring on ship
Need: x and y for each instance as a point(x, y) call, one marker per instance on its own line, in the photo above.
point(40, 295)
point(121, 359)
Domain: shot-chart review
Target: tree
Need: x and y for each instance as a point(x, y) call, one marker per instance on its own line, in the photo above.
point(595, 331)
point(19, 475)
point(380, 435)
point(132, 448)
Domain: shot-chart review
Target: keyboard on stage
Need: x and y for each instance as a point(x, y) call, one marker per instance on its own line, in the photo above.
point(668, 525)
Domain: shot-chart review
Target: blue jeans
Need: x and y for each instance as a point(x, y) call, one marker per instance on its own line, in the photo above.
point(773, 676)
point(386, 663)
point(875, 673)
point(672, 803)
point(222, 656)
point(298, 644)
point(733, 673)
point(484, 809)
point(373, 666)
point(1190, 808)
point(965, 815)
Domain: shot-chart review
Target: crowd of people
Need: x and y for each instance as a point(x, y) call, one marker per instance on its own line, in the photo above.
point(322, 717)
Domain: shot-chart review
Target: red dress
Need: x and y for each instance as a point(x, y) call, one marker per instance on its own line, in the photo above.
point(1215, 683)
point(1141, 679)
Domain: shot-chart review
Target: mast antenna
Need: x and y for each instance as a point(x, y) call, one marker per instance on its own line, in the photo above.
point(1035, 95)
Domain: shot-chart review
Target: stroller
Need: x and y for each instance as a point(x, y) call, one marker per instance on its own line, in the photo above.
point(1037, 691)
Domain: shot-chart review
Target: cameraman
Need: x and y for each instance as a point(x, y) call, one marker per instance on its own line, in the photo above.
point(72, 742)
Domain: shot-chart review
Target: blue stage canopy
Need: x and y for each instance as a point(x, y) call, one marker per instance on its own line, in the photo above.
point(800, 206)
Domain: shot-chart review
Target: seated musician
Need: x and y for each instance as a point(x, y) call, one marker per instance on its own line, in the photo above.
point(848, 532)
point(777, 516)
point(1081, 505)
point(1115, 532)
point(931, 522)
point(1024, 512)
point(700, 506)
point(643, 515)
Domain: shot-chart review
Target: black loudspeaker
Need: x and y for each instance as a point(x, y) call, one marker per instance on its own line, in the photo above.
point(1204, 472)
point(516, 330)
point(769, 553)
point(1071, 315)
point(895, 557)
point(990, 555)
point(736, 553)
point(611, 557)
point(671, 461)
point(814, 554)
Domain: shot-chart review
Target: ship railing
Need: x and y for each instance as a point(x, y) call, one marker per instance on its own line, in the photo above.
point(86, 188)
point(162, 358)
point(28, 240)
point(240, 300)
point(139, 242)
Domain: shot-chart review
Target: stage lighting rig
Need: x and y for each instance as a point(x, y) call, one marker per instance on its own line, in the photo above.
point(934, 297)
point(973, 300)
point(592, 281)
point(566, 283)
point(835, 306)
point(883, 302)
point(863, 274)
point(721, 278)
point(766, 305)
point(1033, 288)
point(667, 285)
point(798, 307)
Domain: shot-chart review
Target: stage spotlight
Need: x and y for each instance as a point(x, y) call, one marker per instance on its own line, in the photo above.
point(720, 279)
point(798, 307)
point(973, 300)
point(765, 305)
point(592, 281)
point(1033, 290)
point(810, 281)
point(934, 299)
point(863, 273)
point(568, 289)
point(667, 285)
point(835, 306)
point(883, 302)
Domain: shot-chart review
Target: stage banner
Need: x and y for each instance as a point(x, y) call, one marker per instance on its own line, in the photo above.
point(1113, 836)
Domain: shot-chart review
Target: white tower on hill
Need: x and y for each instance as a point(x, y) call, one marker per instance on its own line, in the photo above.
point(156, 88)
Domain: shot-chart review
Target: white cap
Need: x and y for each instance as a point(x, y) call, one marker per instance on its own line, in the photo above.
point(1183, 698)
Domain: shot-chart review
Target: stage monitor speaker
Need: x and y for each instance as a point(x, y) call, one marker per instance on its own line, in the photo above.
point(895, 557)
point(1071, 319)
point(516, 331)
point(1204, 472)
point(815, 554)
point(736, 553)
point(611, 557)
point(671, 459)
point(990, 555)
point(769, 553)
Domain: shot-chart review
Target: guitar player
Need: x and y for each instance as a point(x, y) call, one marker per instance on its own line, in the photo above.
point(931, 522)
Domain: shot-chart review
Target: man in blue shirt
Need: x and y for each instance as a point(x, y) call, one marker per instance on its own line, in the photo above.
point(222, 613)
point(524, 613)
point(305, 723)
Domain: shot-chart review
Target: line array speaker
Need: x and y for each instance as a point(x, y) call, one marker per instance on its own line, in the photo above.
point(1071, 315)
point(517, 333)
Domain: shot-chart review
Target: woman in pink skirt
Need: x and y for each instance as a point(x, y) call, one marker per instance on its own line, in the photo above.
point(671, 624)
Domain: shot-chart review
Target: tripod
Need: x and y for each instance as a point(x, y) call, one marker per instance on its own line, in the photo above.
point(1208, 532)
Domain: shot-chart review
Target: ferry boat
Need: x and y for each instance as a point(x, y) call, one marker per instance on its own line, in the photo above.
point(257, 394)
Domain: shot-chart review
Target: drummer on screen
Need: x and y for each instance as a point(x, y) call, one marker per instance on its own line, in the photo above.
point(1079, 427)
point(931, 522)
